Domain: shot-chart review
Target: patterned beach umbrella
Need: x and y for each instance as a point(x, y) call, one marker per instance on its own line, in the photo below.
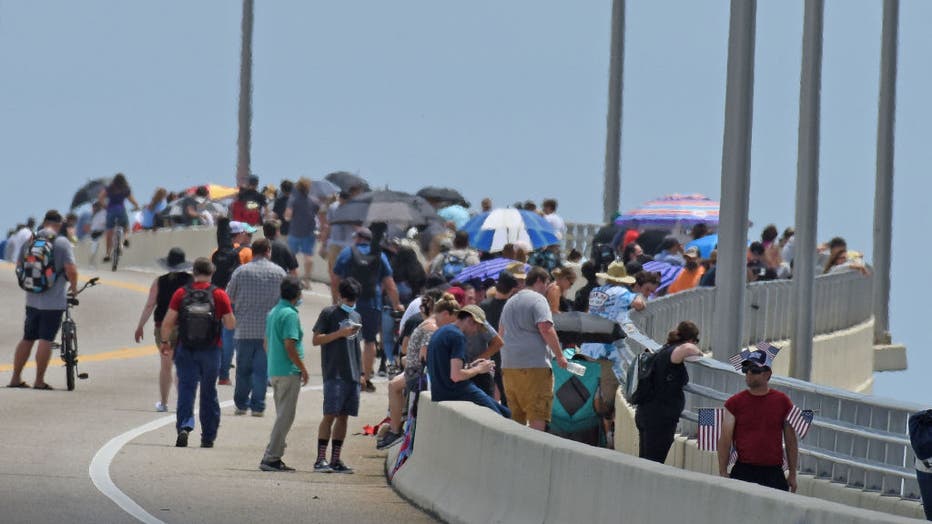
point(490, 231)
point(672, 210)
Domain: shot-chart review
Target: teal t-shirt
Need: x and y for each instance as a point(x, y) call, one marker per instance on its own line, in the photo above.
point(282, 323)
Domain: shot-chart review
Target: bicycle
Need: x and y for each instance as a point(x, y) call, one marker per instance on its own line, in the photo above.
point(117, 248)
point(69, 338)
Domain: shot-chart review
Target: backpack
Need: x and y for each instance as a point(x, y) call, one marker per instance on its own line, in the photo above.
point(602, 256)
point(452, 266)
point(920, 435)
point(35, 269)
point(365, 269)
point(639, 383)
point(225, 262)
point(198, 325)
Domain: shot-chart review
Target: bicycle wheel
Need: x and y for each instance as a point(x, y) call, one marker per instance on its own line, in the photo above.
point(69, 351)
point(117, 249)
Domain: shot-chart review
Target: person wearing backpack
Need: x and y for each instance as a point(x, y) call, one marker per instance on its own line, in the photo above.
point(44, 268)
point(233, 250)
point(199, 310)
point(658, 413)
point(450, 263)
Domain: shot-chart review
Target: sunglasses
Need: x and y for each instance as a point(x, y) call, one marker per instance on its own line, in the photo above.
point(755, 371)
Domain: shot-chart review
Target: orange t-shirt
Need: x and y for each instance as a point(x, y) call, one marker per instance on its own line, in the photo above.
point(687, 279)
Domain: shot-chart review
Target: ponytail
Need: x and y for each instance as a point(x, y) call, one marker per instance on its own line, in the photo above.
point(686, 331)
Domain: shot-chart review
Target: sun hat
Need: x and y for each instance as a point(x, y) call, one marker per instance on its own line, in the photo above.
point(175, 261)
point(616, 273)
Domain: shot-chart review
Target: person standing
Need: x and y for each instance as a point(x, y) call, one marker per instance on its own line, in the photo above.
point(302, 211)
point(336, 332)
point(46, 298)
point(657, 417)
point(549, 207)
point(160, 293)
point(198, 310)
point(254, 289)
point(281, 204)
point(526, 326)
point(287, 372)
point(754, 420)
point(281, 253)
point(333, 239)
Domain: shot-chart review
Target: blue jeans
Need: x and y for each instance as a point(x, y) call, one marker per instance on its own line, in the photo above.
point(252, 377)
point(388, 336)
point(193, 367)
point(471, 393)
point(226, 357)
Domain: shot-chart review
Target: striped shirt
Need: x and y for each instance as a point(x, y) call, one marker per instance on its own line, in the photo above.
point(254, 289)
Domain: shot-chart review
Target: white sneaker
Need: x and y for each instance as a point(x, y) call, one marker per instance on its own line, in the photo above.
point(161, 408)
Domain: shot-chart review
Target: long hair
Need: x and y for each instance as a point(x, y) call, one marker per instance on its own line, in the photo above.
point(685, 331)
point(119, 183)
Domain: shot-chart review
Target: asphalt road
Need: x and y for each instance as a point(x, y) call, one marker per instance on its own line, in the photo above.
point(51, 438)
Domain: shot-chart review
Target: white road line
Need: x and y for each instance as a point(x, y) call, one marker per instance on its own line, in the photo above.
point(99, 469)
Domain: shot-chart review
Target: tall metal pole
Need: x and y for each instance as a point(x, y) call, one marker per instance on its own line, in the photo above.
point(730, 278)
point(612, 189)
point(244, 141)
point(807, 190)
point(883, 191)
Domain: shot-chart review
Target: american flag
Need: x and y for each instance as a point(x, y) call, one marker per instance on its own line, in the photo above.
point(768, 348)
point(710, 428)
point(738, 358)
point(800, 419)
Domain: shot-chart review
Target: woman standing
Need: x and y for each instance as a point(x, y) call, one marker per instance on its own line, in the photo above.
point(656, 418)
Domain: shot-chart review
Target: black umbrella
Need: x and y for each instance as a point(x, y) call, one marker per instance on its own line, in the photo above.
point(346, 181)
point(576, 327)
point(443, 194)
point(391, 207)
point(89, 192)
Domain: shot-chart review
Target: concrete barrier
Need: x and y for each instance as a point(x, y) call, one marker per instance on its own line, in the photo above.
point(470, 465)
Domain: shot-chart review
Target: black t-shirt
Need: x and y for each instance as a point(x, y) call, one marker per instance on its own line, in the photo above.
point(168, 284)
point(279, 207)
point(493, 310)
point(410, 325)
point(251, 195)
point(339, 359)
point(668, 401)
point(283, 256)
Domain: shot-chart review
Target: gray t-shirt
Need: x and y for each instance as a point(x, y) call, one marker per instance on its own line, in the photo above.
point(478, 343)
point(304, 210)
point(340, 234)
point(524, 346)
point(56, 298)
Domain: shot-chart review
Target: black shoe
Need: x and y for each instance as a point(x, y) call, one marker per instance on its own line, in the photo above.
point(370, 387)
point(340, 467)
point(278, 465)
point(107, 258)
point(207, 443)
point(388, 440)
point(322, 466)
point(182, 441)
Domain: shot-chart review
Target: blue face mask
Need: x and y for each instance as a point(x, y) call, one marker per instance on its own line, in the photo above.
point(299, 302)
point(348, 308)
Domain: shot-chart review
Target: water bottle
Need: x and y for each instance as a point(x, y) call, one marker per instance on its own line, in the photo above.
point(576, 369)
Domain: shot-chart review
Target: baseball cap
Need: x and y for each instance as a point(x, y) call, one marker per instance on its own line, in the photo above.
point(757, 359)
point(241, 227)
point(475, 312)
point(691, 252)
point(363, 233)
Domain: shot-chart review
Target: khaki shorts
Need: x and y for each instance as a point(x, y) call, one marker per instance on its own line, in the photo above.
point(529, 392)
point(173, 340)
point(332, 253)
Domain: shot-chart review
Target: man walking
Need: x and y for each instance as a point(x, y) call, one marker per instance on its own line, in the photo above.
point(254, 289)
point(336, 333)
point(755, 422)
point(281, 253)
point(333, 239)
point(527, 329)
point(46, 297)
point(283, 336)
point(198, 309)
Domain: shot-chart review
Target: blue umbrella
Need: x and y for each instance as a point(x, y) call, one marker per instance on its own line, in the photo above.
point(668, 272)
point(705, 244)
point(490, 231)
point(485, 269)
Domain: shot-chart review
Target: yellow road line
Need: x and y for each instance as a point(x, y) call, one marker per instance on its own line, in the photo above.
point(103, 281)
point(119, 354)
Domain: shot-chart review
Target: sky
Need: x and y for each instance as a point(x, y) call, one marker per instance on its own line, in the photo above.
point(499, 99)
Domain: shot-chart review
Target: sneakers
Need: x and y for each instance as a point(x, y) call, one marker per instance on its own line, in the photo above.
point(278, 465)
point(393, 371)
point(258, 413)
point(224, 382)
point(322, 466)
point(160, 407)
point(182, 441)
point(340, 467)
point(239, 412)
point(370, 387)
point(207, 443)
point(382, 373)
point(388, 440)
point(106, 258)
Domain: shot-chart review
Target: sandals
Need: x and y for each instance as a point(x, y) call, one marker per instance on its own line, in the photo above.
point(45, 387)
point(20, 385)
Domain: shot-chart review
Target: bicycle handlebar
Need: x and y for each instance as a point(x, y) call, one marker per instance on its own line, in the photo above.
point(73, 300)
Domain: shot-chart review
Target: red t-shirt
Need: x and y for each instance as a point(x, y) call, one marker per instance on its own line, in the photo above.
point(759, 426)
point(221, 301)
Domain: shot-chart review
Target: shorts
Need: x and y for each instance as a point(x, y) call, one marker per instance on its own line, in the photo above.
point(341, 397)
point(333, 251)
point(302, 244)
point(529, 392)
point(42, 324)
point(371, 322)
point(117, 217)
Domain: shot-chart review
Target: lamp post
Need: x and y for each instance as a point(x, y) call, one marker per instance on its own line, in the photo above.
point(244, 140)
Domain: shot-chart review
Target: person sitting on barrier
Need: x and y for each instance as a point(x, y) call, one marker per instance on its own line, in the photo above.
point(754, 421)
point(656, 417)
point(446, 362)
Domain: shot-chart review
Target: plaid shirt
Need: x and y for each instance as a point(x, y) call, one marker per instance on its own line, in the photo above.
point(254, 290)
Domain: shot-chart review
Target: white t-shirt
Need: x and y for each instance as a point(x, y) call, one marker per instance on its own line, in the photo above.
point(99, 221)
point(16, 242)
point(559, 226)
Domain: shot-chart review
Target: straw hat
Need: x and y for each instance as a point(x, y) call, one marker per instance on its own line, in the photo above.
point(616, 273)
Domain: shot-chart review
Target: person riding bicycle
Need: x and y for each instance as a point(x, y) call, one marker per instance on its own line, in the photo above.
point(46, 300)
point(114, 196)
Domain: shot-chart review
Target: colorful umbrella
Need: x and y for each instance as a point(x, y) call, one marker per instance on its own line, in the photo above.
point(672, 210)
point(668, 272)
point(215, 191)
point(485, 269)
point(490, 231)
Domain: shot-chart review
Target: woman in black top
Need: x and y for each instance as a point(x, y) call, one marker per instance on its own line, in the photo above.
point(160, 294)
point(656, 419)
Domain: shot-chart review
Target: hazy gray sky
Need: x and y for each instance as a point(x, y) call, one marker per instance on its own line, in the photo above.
point(498, 99)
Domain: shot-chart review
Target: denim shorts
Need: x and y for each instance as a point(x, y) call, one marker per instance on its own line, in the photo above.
point(41, 324)
point(117, 217)
point(302, 244)
point(341, 397)
point(371, 322)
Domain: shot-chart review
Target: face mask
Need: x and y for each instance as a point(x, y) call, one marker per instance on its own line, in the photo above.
point(299, 302)
point(347, 308)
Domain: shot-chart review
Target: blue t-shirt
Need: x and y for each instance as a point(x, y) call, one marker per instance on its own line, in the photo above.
point(446, 343)
point(343, 270)
point(611, 302)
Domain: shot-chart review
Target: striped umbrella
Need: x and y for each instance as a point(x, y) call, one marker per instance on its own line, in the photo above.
point(485, 269)
point(668, 272)
point(490, 231)
point(672, 210)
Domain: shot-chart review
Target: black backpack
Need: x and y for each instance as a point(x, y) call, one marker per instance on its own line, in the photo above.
point(365, 269)
point(198, 325)
point(225, 261)
point(639, 383)
point(602, 256)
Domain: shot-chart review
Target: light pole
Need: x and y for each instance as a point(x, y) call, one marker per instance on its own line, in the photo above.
point(244, 140)
point(612, 188)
